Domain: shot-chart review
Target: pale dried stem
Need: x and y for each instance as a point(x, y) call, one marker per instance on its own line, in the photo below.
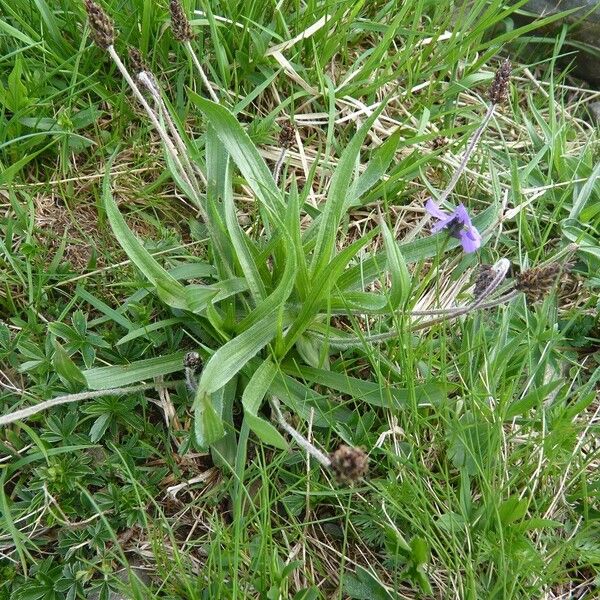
point(151, 85)
point(25, 413)
point(205, 81)
point(465, 159)
point(297, 436)
point(502, 300)
point(164, 136)
point(279, 165)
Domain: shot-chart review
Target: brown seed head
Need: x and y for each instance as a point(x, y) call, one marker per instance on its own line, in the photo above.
point(101, 25)
point(485, 276)
point(499, 87)
point(439, 142)
point(536, 283)
point(192, 360)
point(286, 135)
point(182, 31)
point(349, 464)
point(136, 60)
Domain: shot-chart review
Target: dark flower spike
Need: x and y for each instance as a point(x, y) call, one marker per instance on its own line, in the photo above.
point(537, 283)
point(136, 60)
point(485, 276)
point(499, 87)
point(101, 25)
point(286, 135)
point(182, 31)
point(191, 363)
point(458, 223)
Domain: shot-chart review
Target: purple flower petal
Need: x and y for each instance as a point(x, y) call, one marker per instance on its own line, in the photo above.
point(434, 210)
point(470, 239)
point(462, 215)
point(441, 225)
point(458, 223)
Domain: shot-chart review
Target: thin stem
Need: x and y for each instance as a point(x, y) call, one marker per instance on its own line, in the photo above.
point(448, 314)
point(150, 83)
point(200, 70)
point(279, 165)
point(190, 379)
point(25, 413)
point(298, 437)
point(476, 306)
point(152, 115)
point(465, 159)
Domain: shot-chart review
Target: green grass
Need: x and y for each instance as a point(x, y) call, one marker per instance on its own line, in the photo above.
point(481, 430)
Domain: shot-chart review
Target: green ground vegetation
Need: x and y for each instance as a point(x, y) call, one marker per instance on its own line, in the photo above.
point(300, 297)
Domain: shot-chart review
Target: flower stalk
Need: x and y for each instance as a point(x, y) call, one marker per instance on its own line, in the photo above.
point(211, 92)
point(148, 80)
point(286, 140)
point(182, 32)
point(297, 436)
point(497, 94)
point(25, 413)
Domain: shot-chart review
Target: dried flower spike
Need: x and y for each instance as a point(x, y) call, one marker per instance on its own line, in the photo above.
point(439, 142)
point(101, 25)
point(349, 464)
point(536, 283)
point(191, 363)
point(485, 276)
point(182, 31)
point(136, 60)
point(286, 135)
point(192, 360)
point(499, 87)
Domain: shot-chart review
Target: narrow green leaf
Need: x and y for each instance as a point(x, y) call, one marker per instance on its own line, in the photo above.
point(167, 287)
point(397, 267)
point(336, 197)
point(369, 391)
point(252, 398)
point(512, 509)
point(104, 378)
point(531, 400)
point(208, 425)
point(273, 303)
point(99, 427)
point(242, 151)
point(217, 159)
point(231, 357)
point(376, 168)
point(366, 302)
point(111, 313)
point(198, 297)
point(142, 331)
point(258, 386)
point(224, 450)
point(320, 287)
point(266, 432)
point(585, 194)
point(65, 366)
point(241, 245)
point(295, 231)
point(19, 35)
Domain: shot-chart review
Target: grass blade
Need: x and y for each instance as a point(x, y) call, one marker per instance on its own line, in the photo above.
point(167, 287)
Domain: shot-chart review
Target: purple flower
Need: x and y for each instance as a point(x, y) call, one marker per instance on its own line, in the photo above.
point(458, 224)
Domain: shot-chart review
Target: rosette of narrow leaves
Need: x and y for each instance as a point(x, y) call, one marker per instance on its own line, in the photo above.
point(269, 296)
